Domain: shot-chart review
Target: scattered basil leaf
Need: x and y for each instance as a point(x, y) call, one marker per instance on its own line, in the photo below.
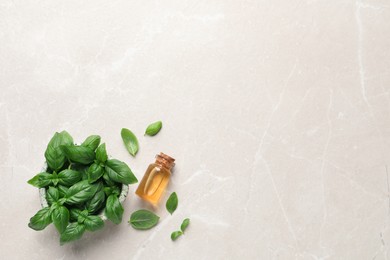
point(52, 195)
point(60, 218)
point(101, 153)
point(175, 235)
point(185, 224)
point(68, 177)
point(130, 141)
point(92, 142)
point(78, 154)
point(114, 209)
point(172, 202)
point(97, 202)
point(41, 180)
point(153, 128)
point(72, 232)
point(93, 223)
point(95, 171)
point(55, 157)
point(41, 219)
point(143, 219)
point(119, 171)
point(81, 192)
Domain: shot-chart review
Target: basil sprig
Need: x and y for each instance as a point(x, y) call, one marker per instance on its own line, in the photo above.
point(80, 184)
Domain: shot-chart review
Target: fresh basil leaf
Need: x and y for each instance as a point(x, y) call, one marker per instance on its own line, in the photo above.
point(101, 153)
point(153, 128)
point(52, 195)
point(130, 141)
point(82, 216)
point(72, 232)
point(175, 235)
point(95, 171)
point(120, 172)
point(41, 219)
point(60, 218)
point(62, 190)
point(97, 202)
point(107, 180)
point(81, 192)
point(69, 177)
point(41, 180)
point(172, 202)
point(74, 214)
point(143, 219)
point(78, 154)
point(55, 158)
point(93, 223)
point(114, 209)
point(185, 224)
point(112, 190)
point(92, 142)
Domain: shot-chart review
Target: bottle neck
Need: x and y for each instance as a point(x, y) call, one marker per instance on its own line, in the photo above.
point(165, 161)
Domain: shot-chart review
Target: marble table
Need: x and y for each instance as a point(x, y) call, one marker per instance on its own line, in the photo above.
point(277, 113)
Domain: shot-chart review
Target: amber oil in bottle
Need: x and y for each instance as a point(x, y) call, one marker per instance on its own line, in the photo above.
point(156, 179)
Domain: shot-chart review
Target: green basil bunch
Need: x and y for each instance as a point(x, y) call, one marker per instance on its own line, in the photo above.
point(80, 183)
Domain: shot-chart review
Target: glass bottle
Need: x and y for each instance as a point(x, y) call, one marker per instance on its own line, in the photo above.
point(156, 178)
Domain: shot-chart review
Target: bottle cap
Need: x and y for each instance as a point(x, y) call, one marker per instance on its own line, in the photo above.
point(165, 160)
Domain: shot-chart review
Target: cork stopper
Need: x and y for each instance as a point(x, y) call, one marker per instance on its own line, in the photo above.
point(165, 161)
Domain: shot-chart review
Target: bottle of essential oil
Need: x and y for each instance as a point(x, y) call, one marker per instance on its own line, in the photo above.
point(156, 178)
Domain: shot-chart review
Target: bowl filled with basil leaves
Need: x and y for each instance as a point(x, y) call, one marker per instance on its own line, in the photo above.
point(79, 187)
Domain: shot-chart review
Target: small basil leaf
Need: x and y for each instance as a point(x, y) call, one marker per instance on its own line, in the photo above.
point(78, 154)
point(69, 177)
point(55, 158)
point(82, 216)
point(93, 223)
point(107, 180)
point(114, 209)
point(72, 232)
point(175, 235)
point(97, 202)
point(41, 180)
point(74, 214)
point(81, 192)
point(185, 224)
point(118, 171)
point(41, 219)
point(101, 153)
point(95, 171)
point(153, 128)
point(130, 141)
point(92, 142)
point(52, 195)
point(143, 219)
point(60, 218)
point(172, 202)
point(62, 190)
point(112, 190)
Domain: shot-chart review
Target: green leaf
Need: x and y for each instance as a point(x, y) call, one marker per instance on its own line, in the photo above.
point(62, 190)
point(72, 232)
point(92, 142)
point(81, 192)
point(118, 171)
point(97, 202)
point(101, 153)
point(60, 218)
point(93, 223)
point(41, 180)
point(114, 209)
point(107, 180)
point(130, 141)
point(175, 235)
point(41, 219)
point(68, 177)
point(79, 154)
point(153, 128)
point(112, 190)
point(82, 216)
point(55, 158)
point(52, 195)
point(95, 171)
point(143, 219)
point(74, 214)
point(172, 202)
point(185, 224)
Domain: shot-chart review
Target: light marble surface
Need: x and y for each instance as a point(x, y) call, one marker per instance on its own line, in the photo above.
point(277, 112)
